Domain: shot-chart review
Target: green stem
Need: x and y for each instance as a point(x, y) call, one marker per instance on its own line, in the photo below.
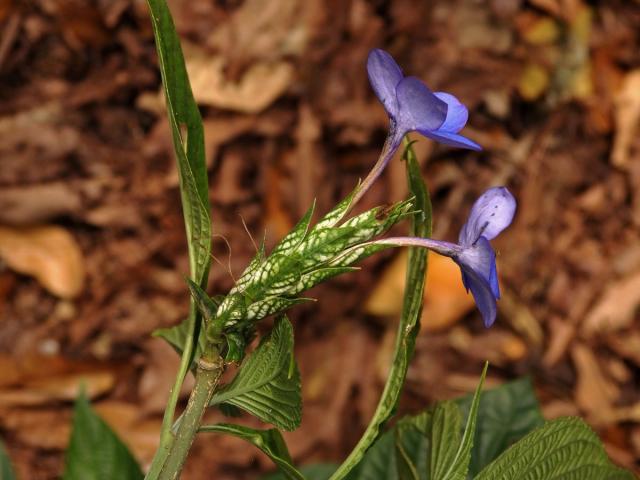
point(166, 434)
point(409, 322)
point(207, 376)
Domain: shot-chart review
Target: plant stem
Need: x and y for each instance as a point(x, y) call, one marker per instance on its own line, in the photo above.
point(207, 376)
point(166, 434)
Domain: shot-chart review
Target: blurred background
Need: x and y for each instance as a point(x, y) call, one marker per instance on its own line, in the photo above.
point(92, 247)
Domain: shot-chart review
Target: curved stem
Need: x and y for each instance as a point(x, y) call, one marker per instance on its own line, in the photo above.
point(391, 144)
point(409, 322)
point(207, 376)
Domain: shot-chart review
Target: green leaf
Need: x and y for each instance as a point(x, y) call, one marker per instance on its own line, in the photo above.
point(506, 414)
point(409, 322)
point(269, 441)
point(445, 466)
point(6, 470)
point(207, 306)
point(563, 449)
point(177, 335)
point(268, 382)
point(379, 462)
point(405, 465)
point(400, 453)
point(95, 452)
point(188, 139)
point(445, 439)
point(317, 471)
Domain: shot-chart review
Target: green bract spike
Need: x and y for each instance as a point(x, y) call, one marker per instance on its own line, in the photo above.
point(291, 241)
point(334, 216)
point(205, 304)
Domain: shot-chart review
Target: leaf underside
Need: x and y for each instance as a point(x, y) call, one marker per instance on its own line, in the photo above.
point(268, 381)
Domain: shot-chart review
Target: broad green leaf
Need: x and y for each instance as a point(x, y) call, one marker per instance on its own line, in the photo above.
point(268, 382)
point(269, 441)
point(400, 453)
point(379, 462)
point(318, 471)
point(445, 466)
point(414, 441)
point(445, 439)
point(6, 470)
point(95, 452)
point(405, 464)
point(409, 322)
point(506, 414)
point(563, 449)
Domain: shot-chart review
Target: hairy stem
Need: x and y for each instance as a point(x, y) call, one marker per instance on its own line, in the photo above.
point(207, 376)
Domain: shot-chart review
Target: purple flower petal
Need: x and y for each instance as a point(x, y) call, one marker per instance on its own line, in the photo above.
point(482, 294)
point(384, 76)
point(480, 258)
point(418, 107)
point(457, 113)
point(452, 139)
point(492, 213)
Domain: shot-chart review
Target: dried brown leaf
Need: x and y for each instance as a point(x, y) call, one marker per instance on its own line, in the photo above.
point(595, 394)
point(616, 308)
point(259, 86)
point(48, 253)
point(627, 116)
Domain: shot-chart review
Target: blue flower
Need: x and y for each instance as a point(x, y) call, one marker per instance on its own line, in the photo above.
point(411, 106)
point(490, 214)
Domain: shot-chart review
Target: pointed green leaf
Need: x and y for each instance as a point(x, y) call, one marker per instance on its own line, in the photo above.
point(563, 449)
point(6, 470)
point(332, 218)
point(249, 272)
point(291, 241)
point(95, 452)
point(269, 441)
point(268, 382)
point(506, 414)
point(206, 305)
point(271, 305)
point(409, 322)
point(445, 466)
point(188, 139)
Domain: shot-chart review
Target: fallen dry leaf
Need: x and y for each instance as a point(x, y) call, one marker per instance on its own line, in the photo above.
point(260, 85)
point(497, 346)
point(616, 308)
point(595, 394)
point(58, 388)
point(48, 429)
point(48, 253)
point(627, 116)
point(562, 332)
